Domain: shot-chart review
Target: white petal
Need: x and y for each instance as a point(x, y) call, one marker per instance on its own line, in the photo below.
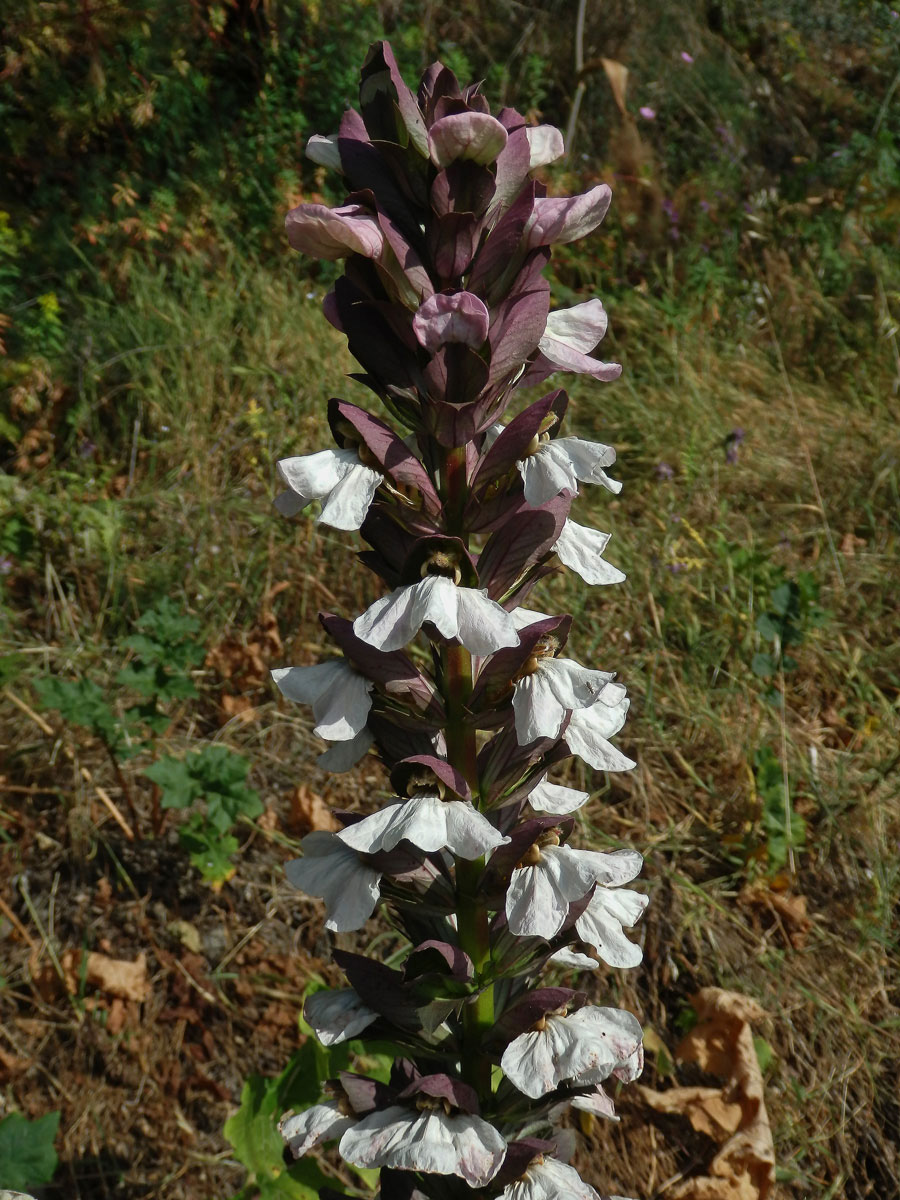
point(339, 696)
point(546, 473)
point(587, 1046)
point(318, 1124)
point(598, 1103)
point(324, 151)
point(314, 475)
point(581, 549)
point(523, 617)
point(343, 756)
point(589, 728)
point(588, 460)
point(331, 870)
point(554, 798)
point(484, 625)
point(613, 1036)
point(394, 620)
point(348, 501)
point(429, 823)
point(545, 143)
point(580, 327)
point(534, 906)
point(549, 1179)
point(431, 1142)
point(572, 958)
point(601, 925)
point(538, 713)
point(337, 1015)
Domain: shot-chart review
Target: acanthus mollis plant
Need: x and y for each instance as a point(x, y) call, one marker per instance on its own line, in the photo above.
point(462, 691)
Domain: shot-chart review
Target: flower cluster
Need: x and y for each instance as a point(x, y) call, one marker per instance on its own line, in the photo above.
point(460, 689)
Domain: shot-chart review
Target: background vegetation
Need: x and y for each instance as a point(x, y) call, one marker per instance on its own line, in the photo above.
point(161, 349)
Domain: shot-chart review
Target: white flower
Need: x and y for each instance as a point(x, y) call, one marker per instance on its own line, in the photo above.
point(589, 729)
point(549, 1179)
point(314, 1125)
point(586, 1046)
point(344, 755)
point(601, 923)
point(539, 893)
point(335, 476)
point(554, 798)
point(558, 464)
point(458, 612)
point(336, 1016)
point(429, 823)
point(340, 697)
point(572, 958)
point(581, 549)
point(331, 870)
point(430, 1141)
point(542, 699)
point(571, 333)
point(545, 145)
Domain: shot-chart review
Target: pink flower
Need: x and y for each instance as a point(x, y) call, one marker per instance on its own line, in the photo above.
point(648, 113)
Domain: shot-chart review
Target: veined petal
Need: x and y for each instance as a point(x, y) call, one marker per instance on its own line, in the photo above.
point(460, 317)
point(429, 823)
point(588, 460)
point(303, 1131)
point(598, 1103)
point(333, 233)
point(601, 925)
point(545, 143)
point(331, 870)
point(589, 728)
point(534, 906)
point(546, 473)
point(580, 327)
point(614, 1036)
point(556, 221)
point(581, 549)
point(340, 697)
point(549, 1179)
point(432, 1142)
point(587, 1045)
point(554, 798)
point(469, 135)
point(348, 501)
point(541, 700)
point(394, 620)
point(337, 1015)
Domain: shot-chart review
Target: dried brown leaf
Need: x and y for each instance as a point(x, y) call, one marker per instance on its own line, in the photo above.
point(309, 812)
point(734, 1115)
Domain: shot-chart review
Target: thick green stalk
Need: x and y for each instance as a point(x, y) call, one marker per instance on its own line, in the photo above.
point(462, 750)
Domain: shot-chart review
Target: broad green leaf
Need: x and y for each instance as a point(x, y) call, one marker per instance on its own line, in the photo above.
point(27, 1156)
point(253, 1132)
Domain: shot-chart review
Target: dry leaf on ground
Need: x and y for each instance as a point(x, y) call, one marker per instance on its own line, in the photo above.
point(113, 976)
point(309, 812)
point(734, 1115)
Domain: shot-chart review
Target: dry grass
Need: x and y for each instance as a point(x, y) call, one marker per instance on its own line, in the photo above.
point(228, 376)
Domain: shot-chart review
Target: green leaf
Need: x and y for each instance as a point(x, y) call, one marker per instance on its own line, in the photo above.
point(768, 627)
point(179, 787)
point(253, 1133)
point(27, 1156)
point(764, 665)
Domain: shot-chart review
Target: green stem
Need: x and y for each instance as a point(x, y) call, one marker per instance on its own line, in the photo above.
point(462, 752)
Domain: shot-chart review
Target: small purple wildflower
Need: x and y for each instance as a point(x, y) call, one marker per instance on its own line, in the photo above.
point(648, 113)
point(732, 442)
point(687, 58)
point(87, 449)
point(6, 565)
point(664, 471)
point(676, 567)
